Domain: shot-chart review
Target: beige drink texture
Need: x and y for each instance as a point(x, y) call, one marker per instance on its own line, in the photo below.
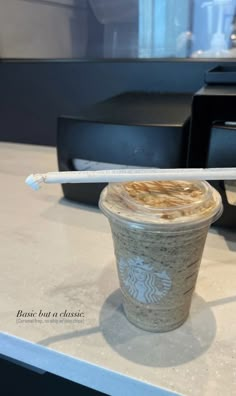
point(159, 231)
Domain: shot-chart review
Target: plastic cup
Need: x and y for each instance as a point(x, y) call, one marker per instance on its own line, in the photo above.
point(159, 231)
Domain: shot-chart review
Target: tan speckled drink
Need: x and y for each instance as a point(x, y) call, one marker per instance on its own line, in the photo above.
point(159, 231)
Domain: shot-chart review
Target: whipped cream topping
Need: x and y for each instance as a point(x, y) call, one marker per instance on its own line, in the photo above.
point(162, 202)
point(164, 194)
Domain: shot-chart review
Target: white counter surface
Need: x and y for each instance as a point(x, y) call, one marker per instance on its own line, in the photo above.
point(57, 256)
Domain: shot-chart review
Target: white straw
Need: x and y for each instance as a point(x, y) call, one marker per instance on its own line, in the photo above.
point(124, 175)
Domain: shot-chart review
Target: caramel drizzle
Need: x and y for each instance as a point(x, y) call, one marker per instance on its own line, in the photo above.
point(163, 193)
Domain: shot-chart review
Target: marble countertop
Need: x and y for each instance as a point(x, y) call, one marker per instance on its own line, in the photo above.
point(56, 257)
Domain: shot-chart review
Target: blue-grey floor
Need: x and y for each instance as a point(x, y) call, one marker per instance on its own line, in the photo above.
point(19, 381)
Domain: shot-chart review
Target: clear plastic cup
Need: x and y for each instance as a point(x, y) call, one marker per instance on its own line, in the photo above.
point(159, 231)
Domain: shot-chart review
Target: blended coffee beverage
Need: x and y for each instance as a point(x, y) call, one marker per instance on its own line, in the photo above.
point(159, 231)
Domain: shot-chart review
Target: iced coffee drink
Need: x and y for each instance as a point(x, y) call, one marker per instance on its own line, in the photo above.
point(159, 231)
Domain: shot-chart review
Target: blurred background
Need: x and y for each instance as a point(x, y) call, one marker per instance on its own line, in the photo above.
point(117, 29)
point(58, 57)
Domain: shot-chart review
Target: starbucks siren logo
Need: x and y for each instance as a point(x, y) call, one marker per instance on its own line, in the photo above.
point(142, 282)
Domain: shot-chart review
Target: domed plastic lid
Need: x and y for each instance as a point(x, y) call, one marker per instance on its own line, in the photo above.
point(162, 202)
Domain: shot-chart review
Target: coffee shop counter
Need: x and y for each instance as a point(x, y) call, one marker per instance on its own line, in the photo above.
point(60, 305)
